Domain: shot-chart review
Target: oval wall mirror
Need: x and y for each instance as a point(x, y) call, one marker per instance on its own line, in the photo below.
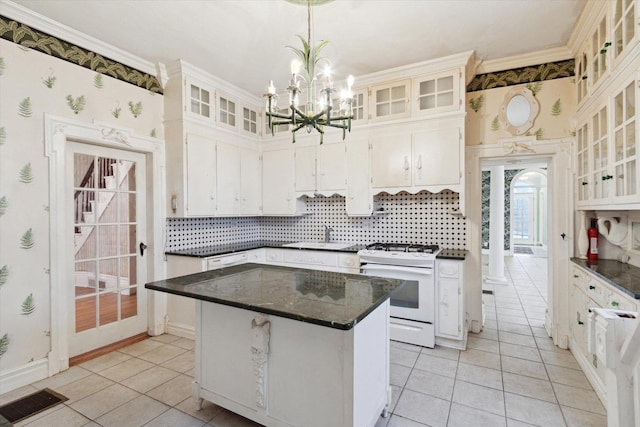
point(518, 111)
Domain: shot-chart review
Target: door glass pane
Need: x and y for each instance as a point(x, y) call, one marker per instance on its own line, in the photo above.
point(398, 92)
point(397, 107)
point(445, 99)
point(521, 218)
point(427, 87)
point(108, 307)
point(630, 95)
point(127, 176)
point(127, 207)
point(445, 83)
point(84, 242)
point(107, 240)
point(382, 95)
point(631, 139)
point(105, 209)
point(427, 102)
point(85, 278)
point(129, 302)
point(85, 313)
point(620, 180)
point(629, 26)
point(84, 169)
point(619, 145)
point(128, 240)
point(619, 113)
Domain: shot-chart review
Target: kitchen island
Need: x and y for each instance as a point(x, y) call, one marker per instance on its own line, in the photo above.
point(290, 347)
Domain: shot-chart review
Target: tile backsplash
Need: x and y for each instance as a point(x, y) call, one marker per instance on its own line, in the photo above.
point(409, 218)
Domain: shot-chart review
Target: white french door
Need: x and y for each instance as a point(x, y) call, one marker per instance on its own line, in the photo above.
point(524, 219)
point(107, 199)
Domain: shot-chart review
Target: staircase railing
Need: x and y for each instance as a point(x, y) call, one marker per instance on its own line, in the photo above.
point(82, 199)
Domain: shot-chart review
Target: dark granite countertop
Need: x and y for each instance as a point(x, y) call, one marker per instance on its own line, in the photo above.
point(457, 254)
point(625, 277)
point(208, 251)
point(324, 298)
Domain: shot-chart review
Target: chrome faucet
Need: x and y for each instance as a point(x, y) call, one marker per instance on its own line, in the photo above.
point(327, 233)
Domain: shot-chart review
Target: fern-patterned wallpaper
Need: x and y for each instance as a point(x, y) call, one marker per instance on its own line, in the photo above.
point(557, 101)
point(37, 40)
point(33, 82)
point(486, 197)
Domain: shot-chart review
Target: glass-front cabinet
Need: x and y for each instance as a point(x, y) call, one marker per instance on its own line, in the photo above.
point(436, 93)
point(600, 156)
point(624, 27)
point(606, 150)
point(391, 101)
point(625, 144)
point(582, 163)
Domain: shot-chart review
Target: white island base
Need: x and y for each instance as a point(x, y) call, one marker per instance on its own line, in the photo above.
point(283, 372)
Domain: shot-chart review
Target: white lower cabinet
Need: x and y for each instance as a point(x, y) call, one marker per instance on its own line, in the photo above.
point(451, 328)
point(181, 310)
point(586, 292)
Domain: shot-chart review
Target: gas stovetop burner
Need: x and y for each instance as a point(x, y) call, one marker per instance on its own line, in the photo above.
point(403, 247)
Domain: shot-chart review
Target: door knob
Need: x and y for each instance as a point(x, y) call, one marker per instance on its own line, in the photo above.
point(142, 248)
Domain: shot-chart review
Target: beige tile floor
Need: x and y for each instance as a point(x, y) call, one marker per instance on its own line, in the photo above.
point(510, 375)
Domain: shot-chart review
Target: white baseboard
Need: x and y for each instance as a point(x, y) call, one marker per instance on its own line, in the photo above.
point(589, 372)
point(181, 330)
point(11, 379)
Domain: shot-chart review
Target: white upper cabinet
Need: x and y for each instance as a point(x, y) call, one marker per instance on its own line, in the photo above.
point(320, 169)
point(625, 144)
point(250, 181)
point(606, 135)
point(437, 93)
point(429, 160)
point(437, 157)
point(200, 170)
point(278, 175)
point(238, 179)
point(331, 168)
point(624, 28)
point(391, 100)
point(606, 151)
point(391, 161)
point(359, 200)
point(305, 169)
point(199, 102)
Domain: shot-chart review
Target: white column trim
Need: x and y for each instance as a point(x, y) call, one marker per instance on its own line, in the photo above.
point(496, 228)
point(59, 130)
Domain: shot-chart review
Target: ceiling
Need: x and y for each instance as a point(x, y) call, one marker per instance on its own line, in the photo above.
point(243, 41)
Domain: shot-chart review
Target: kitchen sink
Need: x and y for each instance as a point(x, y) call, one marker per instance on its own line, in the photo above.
point(318, 245)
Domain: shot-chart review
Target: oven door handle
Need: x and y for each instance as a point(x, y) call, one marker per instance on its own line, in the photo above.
point(371, 269)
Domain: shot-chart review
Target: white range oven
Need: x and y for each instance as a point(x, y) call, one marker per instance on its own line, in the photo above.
point(412, 306)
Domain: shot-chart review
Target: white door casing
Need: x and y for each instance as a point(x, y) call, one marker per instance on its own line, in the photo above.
point(58, 131)
point(560, 202)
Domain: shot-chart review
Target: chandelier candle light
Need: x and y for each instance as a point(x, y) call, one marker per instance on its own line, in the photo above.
point(317, 113)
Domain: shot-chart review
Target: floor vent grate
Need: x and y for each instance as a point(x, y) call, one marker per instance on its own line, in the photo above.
point(30, 405)
point(487, 291)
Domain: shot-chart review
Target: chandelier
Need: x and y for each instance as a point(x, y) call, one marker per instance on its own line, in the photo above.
point(318, 111)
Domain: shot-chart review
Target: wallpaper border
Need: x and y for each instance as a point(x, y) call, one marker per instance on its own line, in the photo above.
point(26, 36)
point(516, 76)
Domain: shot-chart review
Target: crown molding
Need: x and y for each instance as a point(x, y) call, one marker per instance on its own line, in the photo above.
point(416, 69)
point(181, 68)
point(586, 22)
point(525, 60)
point(42, 23)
